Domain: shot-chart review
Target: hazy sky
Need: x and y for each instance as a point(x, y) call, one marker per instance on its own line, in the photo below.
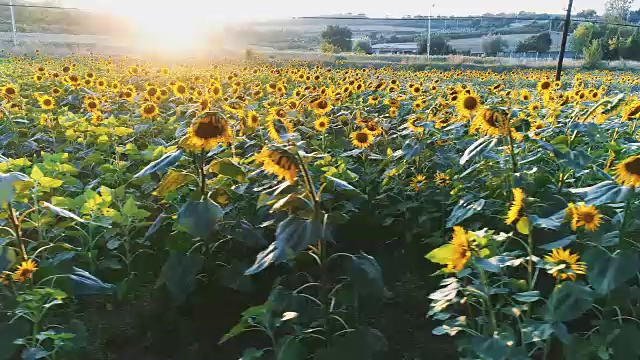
point(247, 9)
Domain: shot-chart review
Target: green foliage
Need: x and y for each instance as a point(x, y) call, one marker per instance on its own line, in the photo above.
point(337, 36)
point(439, 45)
point(493, 44)
point(539, 43)
point(592, 55)
point(362, 47)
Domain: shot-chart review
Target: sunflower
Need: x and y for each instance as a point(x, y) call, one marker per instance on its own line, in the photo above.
point(278, 162)
point(632, 111)
point(56, 91)
point(277, 127)
point(253, 119)
point(46, 102)
point(516, 206)
point(393, 112)
point(206, 131)
point(490, 122)
point(24, 271)
point(628, 171)
point(467, 104)
point(418, 182)
point(534, 106)
point(411, 122)
point(566, 265)
point(180, 89)
point(97, 117)
point(361, 139)
point(442, 179)
point(525, 95)
point(321, 106)
point(149, 110)
point(544, 85)
point(461, 249)
point(91, 104)
point(321, 124)
point(372, 128)
point(584, 215)
point(9, 90)
point(373, 100)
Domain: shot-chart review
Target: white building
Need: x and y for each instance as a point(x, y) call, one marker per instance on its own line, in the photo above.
point(396, 48)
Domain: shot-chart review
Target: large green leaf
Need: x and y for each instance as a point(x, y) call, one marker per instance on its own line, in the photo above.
point(168, 160)
point(228, 168)
point(604, 193)
point(84, 283)
point(606, 271)
point(10, 331)
point(7, 190)
point(337, 185)
point(478, 148)
point(179, 274)
point(576, 160)
point(568, 301)
point(8, 257)
point(293, 235)
point(367, 276)
point(199, 218)
point(464, 209)
point(535, 331)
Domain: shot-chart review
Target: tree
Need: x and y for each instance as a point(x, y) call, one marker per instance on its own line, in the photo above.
point(539, 43)
point(592, 54)
point(587, 14)
point(439, 45)
point(337, 36)
point(616, 11)
point(492, 45)
point(581, 37)
point(362, 47)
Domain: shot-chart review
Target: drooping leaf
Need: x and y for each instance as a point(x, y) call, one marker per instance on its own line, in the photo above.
point(605, 192)
point(337, 185)
point(559, 243)
point(228, 168)
point(179, 275)
point(293, 235)
point(606, 271)
point(362, 344)
point(568, 301)
point(84, 283)
point(411, 149)
point(168, 160)
point(61, 212)
point(199, 218)
point(576, 160)
point(7, 191)
point(172, 181)
point(535, 331)
point(478, 148)
point(553, 222)
point(441, 255)
point(527, 296)
point(367, 276)
point(464, 209)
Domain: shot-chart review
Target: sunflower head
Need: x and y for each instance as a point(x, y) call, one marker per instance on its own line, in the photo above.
point(515, 210)
point(584, 215)
point(279, 162)
point(442, 179)
point(628, 171)
point(468, 104)
point(46, 102)
point(361, 139)
point(418, 182)
point(149, 110)
point(25, 271)
point(565, 264)
point(321, 124)
point(461, 249)
point(207, 131)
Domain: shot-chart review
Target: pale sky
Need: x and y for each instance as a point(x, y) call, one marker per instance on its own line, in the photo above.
point(229, 10)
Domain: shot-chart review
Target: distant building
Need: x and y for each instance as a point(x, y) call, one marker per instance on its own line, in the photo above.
point(396, 48)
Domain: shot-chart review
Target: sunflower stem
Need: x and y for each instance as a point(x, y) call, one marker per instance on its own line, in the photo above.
point(17, 229)
point(203, 175)
point(514, 163)
point(625, 218)
point(489, 305)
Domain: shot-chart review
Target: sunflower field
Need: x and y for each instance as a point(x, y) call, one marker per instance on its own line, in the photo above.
point(293, 210)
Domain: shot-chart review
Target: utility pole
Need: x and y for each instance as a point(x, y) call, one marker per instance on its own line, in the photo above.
point(563, 45)
point(429, 35)
point(13, 23)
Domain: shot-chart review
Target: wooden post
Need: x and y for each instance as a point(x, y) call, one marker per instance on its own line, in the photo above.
point(563, 45)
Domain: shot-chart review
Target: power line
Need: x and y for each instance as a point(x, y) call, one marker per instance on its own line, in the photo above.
point(558, 19)
point(42, 7)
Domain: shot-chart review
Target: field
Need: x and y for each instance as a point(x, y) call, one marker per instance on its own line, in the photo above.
point(302, 210)
point(475, 44)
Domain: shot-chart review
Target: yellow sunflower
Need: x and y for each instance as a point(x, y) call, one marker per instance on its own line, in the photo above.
point(461, 249)
point(628, 171)
point(279, 162)
point(46, 102)
point(490, 122)
point(566, 264)
point(418, 182)
point(206, 131)
point(516, 207)
point(321, 124)
point(56, 91)
point(149, 110)
point(180, 90)
point(411, 122)
point(276, 127)
point(544, 85)
point(91, 104)
point(25, 270)
point(468, 104)
point(442, 179)
point(253, 119)
point(584, 215)
point(321, 106)
point(361, 139)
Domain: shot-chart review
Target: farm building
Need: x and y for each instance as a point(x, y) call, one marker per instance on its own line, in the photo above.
point(396, 48)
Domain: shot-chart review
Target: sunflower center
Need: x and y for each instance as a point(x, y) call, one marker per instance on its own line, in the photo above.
point(633, 167)
point(545, 85)
point(470, 103)
point(210, 128)
point(181, 89)
point(362, 138)
point(152, 91)
point(10, 91)
point(322, 104)
point(149, 109)
point(47, 102)
point(634, 111)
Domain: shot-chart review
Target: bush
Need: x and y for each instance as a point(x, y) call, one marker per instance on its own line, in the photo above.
point(492, 45)
point(362, 47)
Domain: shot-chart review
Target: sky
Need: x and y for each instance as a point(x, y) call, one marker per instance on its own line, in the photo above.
point(231, 10)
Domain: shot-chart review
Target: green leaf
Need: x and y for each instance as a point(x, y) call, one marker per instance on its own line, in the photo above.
point(527, 296)
point(553, 223)
point(464, 209)
point(228, 168)
point(293, 235)
point(478, 148)
point(84, 283)
point(411, 149)
point(8, 258)
point(168, 160)
point(535, 331)
point(604, 193)
point(367, 276)
point(289, 348)
point(10, 331)
point(179, 275)
point(7, 191)
point(131, 210)
point(559, 243)
point(199, 218)
point(441, 255)
point(252, 354)
point(337, 185)
point(606, 272)
point(61, 212)
point(576, 160)
point(568, 301)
